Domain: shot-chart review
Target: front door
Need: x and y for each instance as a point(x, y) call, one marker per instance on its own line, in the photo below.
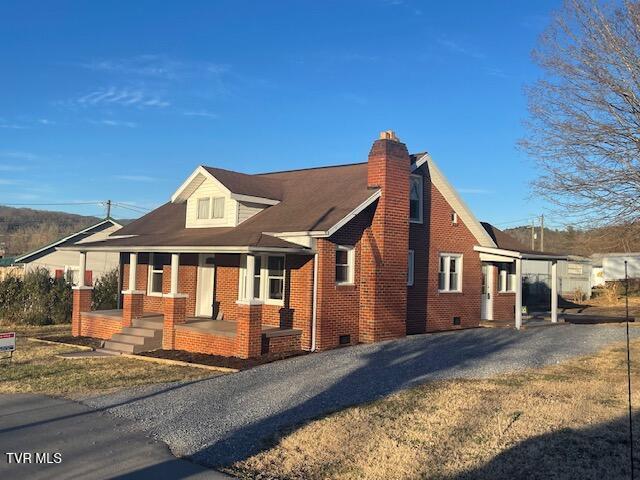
point(487, 292)
point(205, 297)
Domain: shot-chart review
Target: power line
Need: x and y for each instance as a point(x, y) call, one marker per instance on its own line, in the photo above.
point(49, 204)
point(126, 207)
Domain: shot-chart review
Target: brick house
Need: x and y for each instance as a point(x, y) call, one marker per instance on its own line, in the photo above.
point(312, 259)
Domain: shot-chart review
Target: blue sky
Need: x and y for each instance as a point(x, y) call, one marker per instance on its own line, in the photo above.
point(122, 100)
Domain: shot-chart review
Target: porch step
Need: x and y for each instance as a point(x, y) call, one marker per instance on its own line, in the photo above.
point(124, 338)
point(147, 323)
point(141, 332)
point(120, 346)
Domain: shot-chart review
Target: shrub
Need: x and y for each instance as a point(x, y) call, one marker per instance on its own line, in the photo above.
point(35, 300)
point(105, 291)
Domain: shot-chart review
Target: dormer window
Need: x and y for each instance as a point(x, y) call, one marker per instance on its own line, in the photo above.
point(203, 208)
point(415, 199)
point(209, 208)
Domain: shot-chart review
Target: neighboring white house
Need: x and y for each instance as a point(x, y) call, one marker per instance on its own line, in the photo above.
point(610, 266)
point(65, 264)
point(573, 274)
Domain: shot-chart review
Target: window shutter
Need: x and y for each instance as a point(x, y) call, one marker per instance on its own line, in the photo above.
point(59, 273)
point(88, 278)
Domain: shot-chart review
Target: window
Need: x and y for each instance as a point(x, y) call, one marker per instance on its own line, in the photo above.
point(268, 279)
point(218, 207)
point(450, 273)
point(506, 277)
point(156, 262)
point(257, 286)
point(72, 275)
point(574, 269)
point(344, 264)
point(415, 199)
point(454, 218)
point(410, 268)
point(203, 208)
point(275, 278)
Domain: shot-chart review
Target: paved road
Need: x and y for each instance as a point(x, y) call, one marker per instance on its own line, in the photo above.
point(92, 445)
point(220, 420)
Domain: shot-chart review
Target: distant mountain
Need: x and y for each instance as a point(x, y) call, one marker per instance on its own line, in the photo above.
point(23, 229)
point(582, 242)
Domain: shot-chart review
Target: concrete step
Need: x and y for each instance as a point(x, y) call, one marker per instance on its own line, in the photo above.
point(146, 323)
point(108, 352)
point(141, 332)
point(124, 338)
point(120, 346)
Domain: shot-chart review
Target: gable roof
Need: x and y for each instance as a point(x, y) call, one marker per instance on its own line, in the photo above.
point(504, 241)
point(245, 184)
point(67, 241)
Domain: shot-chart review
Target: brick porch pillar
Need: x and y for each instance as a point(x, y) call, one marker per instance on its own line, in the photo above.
point(82, 297)
point(132, 306)
point(174, 307)
point(249, 332)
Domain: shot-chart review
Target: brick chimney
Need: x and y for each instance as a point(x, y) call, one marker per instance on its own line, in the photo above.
point(383, 293)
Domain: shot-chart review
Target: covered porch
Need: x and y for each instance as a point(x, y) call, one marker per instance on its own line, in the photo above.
point(507, 264)
point(223, 303)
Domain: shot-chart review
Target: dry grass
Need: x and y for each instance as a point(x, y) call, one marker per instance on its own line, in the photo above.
point(615, 308)
point(564, 421)
point(36, 369)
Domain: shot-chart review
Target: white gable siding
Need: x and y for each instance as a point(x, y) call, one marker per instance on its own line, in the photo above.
point(211, 188)
point(247, 210)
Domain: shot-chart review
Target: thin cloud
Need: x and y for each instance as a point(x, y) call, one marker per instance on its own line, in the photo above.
point(12, 168)
point(135, 178)
point(19, 155)
point(12, 126)
point(123, 97)
point(44, 121)
point(7, 181)
point(201, 113)
point(458, 48)
point(114, 123)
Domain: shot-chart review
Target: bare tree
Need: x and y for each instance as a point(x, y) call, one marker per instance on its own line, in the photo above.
point(584, 125)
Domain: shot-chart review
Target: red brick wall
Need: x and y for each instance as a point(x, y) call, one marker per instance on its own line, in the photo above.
point(383, 302)
point(503, 303)
point(443, 237)
point(193, 341)
point(281, 344)
point(100, 327)
point(227, 270)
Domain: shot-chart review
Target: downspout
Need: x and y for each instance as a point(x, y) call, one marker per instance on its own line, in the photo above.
point(314, 314)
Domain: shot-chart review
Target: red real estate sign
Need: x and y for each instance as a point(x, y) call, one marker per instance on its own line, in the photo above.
point(7, 342)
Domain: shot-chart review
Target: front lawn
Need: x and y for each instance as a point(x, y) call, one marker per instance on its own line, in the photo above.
point(36, 369)
point(562, 421)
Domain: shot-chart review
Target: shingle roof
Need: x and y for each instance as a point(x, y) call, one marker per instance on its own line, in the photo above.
point(505, 241)
point(310, 200)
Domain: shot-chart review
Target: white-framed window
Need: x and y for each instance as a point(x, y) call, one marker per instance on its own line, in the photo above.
point(218, 207)
point(203, 208)
point(574, 269)
point(275, 278)
point(454, 218)
point(268, 279)
point(154, 283)
point(410, 267)
point(415, 198)
point(450, 272)
point(72, 275)
point(506, 277)
point(345, 261)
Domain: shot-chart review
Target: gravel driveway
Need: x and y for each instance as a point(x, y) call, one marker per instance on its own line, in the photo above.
point(220, 420)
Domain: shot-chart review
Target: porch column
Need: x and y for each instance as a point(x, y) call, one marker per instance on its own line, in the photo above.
point(249, 328)
point(554, 291)
point(518, 294)
point(174, 306)
point(82, 297)
point(250, 277)
point(132, 300)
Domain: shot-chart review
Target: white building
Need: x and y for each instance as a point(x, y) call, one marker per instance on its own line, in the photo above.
point(64, 264)
point(609, 267)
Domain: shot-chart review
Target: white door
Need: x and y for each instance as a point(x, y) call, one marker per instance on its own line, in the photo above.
point(204, 297)
point(486, 312)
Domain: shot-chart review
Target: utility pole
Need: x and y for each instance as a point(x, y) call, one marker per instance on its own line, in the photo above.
point(542, 232)
point(108, 208)
point(533, 236)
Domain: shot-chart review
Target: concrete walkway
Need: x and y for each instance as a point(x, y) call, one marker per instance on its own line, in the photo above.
point(224, 419)
point(92, 445)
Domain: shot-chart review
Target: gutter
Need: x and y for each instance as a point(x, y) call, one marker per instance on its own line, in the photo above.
point(314, 314)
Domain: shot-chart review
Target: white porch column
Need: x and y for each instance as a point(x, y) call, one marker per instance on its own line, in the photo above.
point(251, 267)
point(175, 265)
point(518, 293)
point(133, 267)
point(83, 269)
point(554, 291)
